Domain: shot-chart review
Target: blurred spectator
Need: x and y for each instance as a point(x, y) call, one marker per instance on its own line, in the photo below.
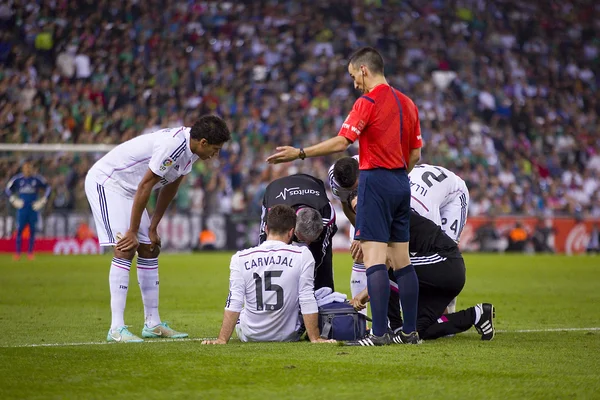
point(207, 240)
point(594, 243)
point(543, 236)
point(84, 232)
point(489, 238)
point(517, 238)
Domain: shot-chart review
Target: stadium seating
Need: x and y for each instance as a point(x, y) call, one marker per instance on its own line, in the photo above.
point(505, 100)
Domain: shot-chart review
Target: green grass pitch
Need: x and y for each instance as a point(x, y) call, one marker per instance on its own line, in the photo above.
point(62, 302)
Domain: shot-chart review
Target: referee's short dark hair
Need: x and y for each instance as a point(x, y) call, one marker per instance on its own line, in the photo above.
point(212, 128)
point(367, 56)
point(280, 219)
point(345, 172)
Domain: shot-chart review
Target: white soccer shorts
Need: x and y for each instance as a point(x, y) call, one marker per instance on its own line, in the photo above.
point(112, 213)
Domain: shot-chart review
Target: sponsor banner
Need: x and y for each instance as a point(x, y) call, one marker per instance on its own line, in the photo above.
point(54, 246)
point(58, 233)
point(569, 236)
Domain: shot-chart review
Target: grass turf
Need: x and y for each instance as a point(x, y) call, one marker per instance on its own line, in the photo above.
point(64, 299)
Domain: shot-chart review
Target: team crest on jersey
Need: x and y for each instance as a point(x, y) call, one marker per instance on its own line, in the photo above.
point(166, 164)
point(360, 125)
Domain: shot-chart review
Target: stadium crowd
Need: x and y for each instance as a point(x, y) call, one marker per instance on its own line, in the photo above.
point(507, 91)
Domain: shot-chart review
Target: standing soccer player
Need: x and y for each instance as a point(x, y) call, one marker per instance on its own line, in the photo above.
point(118, 187)
point(23, 190)
point(386, 123)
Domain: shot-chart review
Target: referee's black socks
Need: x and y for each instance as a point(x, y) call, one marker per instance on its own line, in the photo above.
point(378, 285)
point(408, 287)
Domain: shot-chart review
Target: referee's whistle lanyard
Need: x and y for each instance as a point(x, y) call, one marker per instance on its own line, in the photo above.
point(401, 124)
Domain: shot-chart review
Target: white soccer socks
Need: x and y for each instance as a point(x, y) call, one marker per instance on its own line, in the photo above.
point(452, 306)
point(118, 279)
point(147, 272)
point(358, 281)
point(478, 313)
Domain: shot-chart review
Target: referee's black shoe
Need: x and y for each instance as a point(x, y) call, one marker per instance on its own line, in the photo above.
point(371, 340)
point(406, 338)
point(485, 325)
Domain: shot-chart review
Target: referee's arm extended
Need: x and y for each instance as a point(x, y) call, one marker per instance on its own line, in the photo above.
point(288, 153)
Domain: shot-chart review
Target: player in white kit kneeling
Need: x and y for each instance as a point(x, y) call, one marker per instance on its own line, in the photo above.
point(118, 187)
point(270, 285)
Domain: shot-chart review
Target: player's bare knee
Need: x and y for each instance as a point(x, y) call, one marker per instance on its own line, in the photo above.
point(147, 251)
point(126, 255)
point(400, 263)
point(397, 256)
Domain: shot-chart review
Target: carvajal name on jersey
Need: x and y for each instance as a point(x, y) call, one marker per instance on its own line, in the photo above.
point(268, 260)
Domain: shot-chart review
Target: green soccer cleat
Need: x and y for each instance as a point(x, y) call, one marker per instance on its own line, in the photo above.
point(122, 335)
point(162, 330)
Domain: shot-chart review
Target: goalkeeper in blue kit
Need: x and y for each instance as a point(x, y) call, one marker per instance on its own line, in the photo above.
point(23, 190)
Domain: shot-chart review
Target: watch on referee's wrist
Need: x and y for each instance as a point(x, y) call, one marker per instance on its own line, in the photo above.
point(302, 154)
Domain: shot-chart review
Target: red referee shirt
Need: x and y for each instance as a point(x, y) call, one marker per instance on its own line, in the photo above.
point(375, 121)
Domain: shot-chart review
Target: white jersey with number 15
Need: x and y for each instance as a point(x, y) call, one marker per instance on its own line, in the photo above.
point(273, 282)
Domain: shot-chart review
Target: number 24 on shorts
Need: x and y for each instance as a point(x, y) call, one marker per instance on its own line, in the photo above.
point(453, 227)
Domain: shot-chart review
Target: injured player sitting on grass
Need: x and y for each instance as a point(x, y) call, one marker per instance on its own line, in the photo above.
point(270, 286)
point(441, 272)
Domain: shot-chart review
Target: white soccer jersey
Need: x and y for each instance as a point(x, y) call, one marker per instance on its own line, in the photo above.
point(272, 282)
point(441, 196)
point(166, 152)
point(338, 192)
point(437, 194)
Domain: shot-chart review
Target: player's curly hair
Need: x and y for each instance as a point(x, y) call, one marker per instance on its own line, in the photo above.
point(367, 56)
point(212, 128)
point(345, 172)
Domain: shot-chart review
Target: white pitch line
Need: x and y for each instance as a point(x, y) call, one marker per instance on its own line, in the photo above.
point(549, 330)
point(596, 328)
point(104, 343)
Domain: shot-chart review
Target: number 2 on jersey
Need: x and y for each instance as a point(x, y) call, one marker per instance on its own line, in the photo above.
point(269, 287)
point(428, 175)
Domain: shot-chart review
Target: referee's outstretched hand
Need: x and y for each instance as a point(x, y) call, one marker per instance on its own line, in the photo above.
point(284, 154)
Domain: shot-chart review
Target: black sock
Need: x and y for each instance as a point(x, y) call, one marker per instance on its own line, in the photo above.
point(450, 324)
point(408, 286)
point(378, 285)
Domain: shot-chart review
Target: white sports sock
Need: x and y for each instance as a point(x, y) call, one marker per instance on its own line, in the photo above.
point(358, 281)
point(118, 280)
point(452, 306)
point(478, 312)
point(147, 272)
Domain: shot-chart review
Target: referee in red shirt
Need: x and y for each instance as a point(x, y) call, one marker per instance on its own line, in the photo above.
point(386, 124)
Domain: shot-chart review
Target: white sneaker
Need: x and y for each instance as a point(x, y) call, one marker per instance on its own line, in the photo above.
point(122, 335)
